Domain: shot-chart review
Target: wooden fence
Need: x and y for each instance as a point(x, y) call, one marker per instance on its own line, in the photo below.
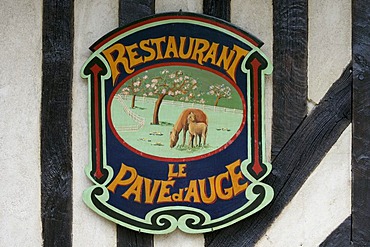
point(136, 118)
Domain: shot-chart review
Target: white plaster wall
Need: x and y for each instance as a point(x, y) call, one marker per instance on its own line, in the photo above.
point(329, 44)
point(20, 87)
point(322, 204)
point(93, 19)
point(174, 6)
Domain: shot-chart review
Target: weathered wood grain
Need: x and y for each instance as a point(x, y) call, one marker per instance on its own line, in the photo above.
point(130, 11)
point(133, 10)
point(290, 51)
point(217, 8)
point(56, 139)
point(361, 121)
point(341, 236)
point(295, 162)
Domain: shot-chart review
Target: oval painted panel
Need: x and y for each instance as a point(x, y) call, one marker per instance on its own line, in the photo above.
point(150, 111)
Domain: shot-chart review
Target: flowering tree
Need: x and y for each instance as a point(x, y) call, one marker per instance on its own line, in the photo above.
point(134, 87)
point(174, 84)
point(220, 91)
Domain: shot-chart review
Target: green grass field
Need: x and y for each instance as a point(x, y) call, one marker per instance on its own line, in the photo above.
point(155, 139)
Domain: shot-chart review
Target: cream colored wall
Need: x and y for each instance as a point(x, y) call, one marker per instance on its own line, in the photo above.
point(20, 87)
point(322, 204)
point(329, 44)
point(174, 6)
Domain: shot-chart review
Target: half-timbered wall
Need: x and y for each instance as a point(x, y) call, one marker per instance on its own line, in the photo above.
point(309, 106)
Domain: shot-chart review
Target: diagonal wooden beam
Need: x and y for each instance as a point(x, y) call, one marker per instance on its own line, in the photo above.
point(341, 236)
point(130, 11)
point(293, 165)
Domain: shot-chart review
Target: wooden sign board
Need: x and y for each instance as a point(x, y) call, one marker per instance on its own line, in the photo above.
point(176, 106)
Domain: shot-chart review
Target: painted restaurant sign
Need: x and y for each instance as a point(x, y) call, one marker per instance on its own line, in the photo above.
point(176, 111)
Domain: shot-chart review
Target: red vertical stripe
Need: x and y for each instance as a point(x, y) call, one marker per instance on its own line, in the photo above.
point(256, 154)
point(96, 69)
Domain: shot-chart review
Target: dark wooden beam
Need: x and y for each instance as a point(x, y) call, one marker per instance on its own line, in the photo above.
point(129, 11)
point(132, 10)
point(217, 8)
point(341, 236)
point(290, 20)
point(56, 107)
point(295, 162)
point(361, 121)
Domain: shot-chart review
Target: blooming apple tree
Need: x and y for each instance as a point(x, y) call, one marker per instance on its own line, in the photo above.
point(173, 84)
point(220, 91)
